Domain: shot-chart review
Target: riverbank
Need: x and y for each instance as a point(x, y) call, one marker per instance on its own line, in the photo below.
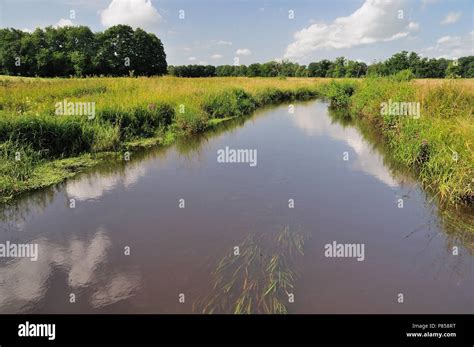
point(41, 148)
point(428, 126)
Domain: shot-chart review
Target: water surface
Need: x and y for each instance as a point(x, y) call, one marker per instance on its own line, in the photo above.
point(174, 250)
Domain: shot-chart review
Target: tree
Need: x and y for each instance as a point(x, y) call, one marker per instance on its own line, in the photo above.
point(319, 69)
point(270, 69)
point(224, 70)
point(355, 69)
point(467, 66)
point(254, 70)
point(397, 62)
point(337, 69)
point(10, 52)
point(148, 57)
point(302, 71)
point(81, 47)
point(453, 70)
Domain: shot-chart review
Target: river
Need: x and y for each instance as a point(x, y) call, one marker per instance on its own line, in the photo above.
point(129, 246)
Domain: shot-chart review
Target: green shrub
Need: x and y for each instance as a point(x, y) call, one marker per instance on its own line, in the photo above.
point(139, 121)
point(230, 103)
point(403, 76)
point(56, 135)
point(339, 93)
point(272, 96)
point(190, 122)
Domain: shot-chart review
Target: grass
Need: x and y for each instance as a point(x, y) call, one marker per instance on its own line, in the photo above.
point(439, 146)
point(131, 113)
point(259, 279)
point(135, 113)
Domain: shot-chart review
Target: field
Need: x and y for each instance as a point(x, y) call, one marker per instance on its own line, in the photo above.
point(41, 148)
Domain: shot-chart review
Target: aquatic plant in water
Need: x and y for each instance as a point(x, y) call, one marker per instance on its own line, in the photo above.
point(259, 279)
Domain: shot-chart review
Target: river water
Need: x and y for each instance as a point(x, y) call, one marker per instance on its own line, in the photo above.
point(128, 247)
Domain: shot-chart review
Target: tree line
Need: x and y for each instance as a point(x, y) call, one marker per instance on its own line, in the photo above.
point(411, 63)
point(122, 51)
point(77, 51)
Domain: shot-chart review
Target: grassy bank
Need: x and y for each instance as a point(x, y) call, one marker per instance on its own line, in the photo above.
point(39, 148)
point(438, 146)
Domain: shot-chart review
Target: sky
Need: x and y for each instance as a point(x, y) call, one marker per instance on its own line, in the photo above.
point(218, 31)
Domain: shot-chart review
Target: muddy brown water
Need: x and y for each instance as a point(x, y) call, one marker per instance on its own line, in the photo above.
point(174, 250)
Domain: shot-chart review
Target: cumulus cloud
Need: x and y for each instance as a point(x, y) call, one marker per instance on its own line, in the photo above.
point(192, 58)
point(63, 23)
point(451, 18)
point(136, 13)
point(224, 43)
point(451, 47)
point(374, 21)
point(243, 51)
point(216, 56)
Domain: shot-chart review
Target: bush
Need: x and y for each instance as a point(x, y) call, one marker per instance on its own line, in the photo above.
point(230, 103)
point(56, 135)
point(339, 93)
point(272, 96)
point(404, 75)
point(140, 121)
point(190, 122)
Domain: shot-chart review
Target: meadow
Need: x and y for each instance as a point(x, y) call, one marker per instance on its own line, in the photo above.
point(40, 148)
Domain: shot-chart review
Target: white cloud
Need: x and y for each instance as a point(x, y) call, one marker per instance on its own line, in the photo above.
point(451, 18)
point(136, 13)
point(192, 58)
point(317, 123)
point(451, 47)
point(243, 51)
point(413, 26)
point(374, 21)
point(216, 56)
point(224, 43)
point(202, 62)
point(63, 23)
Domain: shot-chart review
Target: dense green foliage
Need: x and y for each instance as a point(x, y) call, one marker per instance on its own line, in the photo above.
point(77, 51)
point(122, 51)
point(424, 67)
point(341, 67)
point(192, 71)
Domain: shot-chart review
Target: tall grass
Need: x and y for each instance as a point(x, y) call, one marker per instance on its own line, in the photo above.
point(438, 147)
point(127, 109)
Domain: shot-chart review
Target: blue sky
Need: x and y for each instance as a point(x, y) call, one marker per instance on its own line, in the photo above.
point(217, 31)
